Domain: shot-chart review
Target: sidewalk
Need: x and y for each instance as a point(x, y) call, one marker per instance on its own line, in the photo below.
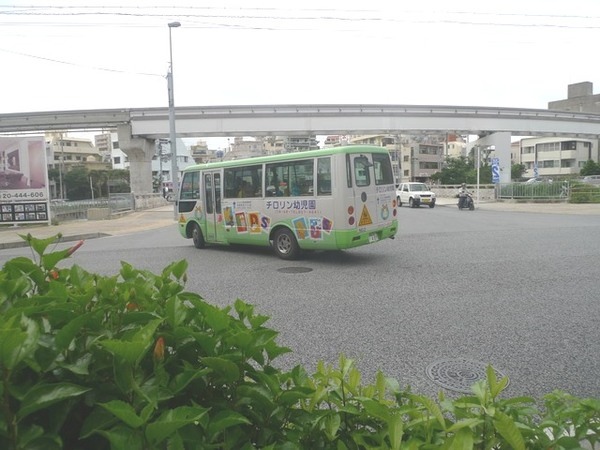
point(529, 207)
point(88, 229)
point(164, 216)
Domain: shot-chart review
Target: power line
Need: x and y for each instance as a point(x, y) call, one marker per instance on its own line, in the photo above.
point(105, 69)
point(310, 14)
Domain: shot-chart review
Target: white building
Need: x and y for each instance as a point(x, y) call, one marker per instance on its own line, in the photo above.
point(556, 157)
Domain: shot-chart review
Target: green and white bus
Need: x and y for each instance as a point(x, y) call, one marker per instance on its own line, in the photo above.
point(327, 199)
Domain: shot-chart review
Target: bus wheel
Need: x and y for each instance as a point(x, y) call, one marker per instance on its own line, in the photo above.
point(197, 236)
point(285, 244)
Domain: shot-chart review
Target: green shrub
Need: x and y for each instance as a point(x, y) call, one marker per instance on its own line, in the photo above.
point(134, 361)
point(584, 193)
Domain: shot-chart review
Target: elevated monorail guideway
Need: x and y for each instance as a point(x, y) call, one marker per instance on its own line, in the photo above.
point(262, 120)
point(63, 120)
point(138, 128)
point(267, 120)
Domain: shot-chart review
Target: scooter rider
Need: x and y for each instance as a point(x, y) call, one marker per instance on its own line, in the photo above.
point(463, 192)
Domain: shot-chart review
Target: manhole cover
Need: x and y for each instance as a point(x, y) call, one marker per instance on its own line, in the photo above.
point(458, 374)
point(294, 269)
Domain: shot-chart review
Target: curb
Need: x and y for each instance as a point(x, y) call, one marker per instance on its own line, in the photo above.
point(69, 238)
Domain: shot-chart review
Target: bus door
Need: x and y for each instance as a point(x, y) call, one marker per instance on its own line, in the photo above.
point(212, 206)
point(360, 177)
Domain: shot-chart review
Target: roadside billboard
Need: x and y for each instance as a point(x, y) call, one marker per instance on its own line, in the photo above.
point(24, 196)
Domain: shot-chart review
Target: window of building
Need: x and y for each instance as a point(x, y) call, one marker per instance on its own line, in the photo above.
point(568, 145)
point(117, 160)
point(528, 149)
point(429, 149)
point(567, 163)
point(549, 147)
point(548, 164)
point(405, 158)
point(428, 165)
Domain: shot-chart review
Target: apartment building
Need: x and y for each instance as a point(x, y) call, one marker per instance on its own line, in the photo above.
point(556, 157)
point(65, 153)
point(414, 157)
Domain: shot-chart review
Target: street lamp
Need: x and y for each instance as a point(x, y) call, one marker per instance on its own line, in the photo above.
point(172, 136)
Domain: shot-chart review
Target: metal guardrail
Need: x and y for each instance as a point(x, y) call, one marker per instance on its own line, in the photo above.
point(533, 191)
point(77, 210)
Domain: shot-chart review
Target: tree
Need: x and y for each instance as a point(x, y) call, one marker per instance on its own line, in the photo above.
point(462, 170)
point(78, 184)
point(590, 168)
point(456, 171)
point(517, 171)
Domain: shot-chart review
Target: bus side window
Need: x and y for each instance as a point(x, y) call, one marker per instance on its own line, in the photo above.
point(208, 204)
point(324, 176)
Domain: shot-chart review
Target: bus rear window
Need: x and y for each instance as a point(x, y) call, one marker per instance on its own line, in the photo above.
point(382, 167)
point(361, 171)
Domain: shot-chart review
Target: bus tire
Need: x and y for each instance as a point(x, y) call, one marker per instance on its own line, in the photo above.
point(197, 237)
point(285, 244)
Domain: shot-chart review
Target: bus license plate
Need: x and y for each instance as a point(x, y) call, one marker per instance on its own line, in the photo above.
point(373, 237)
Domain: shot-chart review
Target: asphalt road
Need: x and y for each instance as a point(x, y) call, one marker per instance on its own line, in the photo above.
point(514, 289)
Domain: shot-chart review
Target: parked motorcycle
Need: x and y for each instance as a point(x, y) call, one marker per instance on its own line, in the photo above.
point(465, 201)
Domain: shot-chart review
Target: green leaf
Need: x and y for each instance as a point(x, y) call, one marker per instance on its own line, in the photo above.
point(121, 438)
point(175, 311)
point(463, 440)
point(496, 387)
point(432, 407)
point(217, 319)
point(50, 260)
point(18, 340)
point(129, 352)
point(67, 333)
point(332, 424)
point(40, 245)
point(257, 394)
point(172, 420)
point(185, 377)
point(509, 431)
point(44, 395)
point(133, 351)
point(464, 423)
point(98, 419)
point(292, 396)
point(178, 268)
point(124, 412)
point(223, 368)
point(224, 420)
point(395, 431)
point(376, 409)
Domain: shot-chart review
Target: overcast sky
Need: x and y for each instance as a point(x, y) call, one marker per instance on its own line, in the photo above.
point(92, 55)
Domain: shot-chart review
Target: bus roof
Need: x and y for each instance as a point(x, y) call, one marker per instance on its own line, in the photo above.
point(288, 156)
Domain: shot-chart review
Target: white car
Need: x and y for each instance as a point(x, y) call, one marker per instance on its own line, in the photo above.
point(415, 195)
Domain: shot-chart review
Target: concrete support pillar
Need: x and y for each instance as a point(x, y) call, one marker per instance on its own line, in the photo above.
point(140, 152)
point(501, 143)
